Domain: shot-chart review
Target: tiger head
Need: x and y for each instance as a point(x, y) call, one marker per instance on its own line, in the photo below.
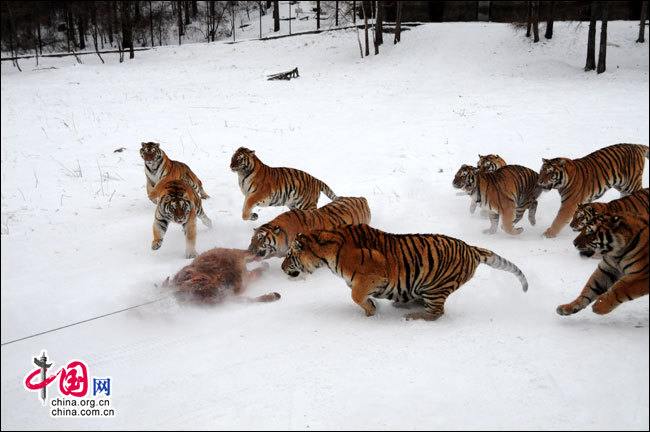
point(309, 252)
point(176, 207)
point(243, 160)
point(471, 180)
point(460, 179)
point(607, 233)
point(489, 163)
point(268, 241)
point(585, 214)
point(150, 152)
point(553, 174)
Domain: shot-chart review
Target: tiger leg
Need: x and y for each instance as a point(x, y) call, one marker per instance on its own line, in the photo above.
point(563, 217)
point(434, 303)
point(472, 207)
point(204, 218)
point(150, 187)
point(362, 287)
point(189, 228)
point(532, 211)
point(494, 223)
point(599, 282)
point(159, 229)
point(250, 202)
point(519, 213)
point(625, 289)
point(507, 220)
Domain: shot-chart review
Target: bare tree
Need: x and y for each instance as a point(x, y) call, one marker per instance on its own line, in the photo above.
point(591, 40)
point(535, 13)
point(336, 13)
point(379, 23)
point(181, 31)
point(276, 16)
point(187, 12)
point(151, 22)
point(93, 20)
point(317, 14)
point(365, 27)
point(644, 15)
point(398, 21)
point(127, 28)
point(602, 53)
point(529, 17)
point(549, 21)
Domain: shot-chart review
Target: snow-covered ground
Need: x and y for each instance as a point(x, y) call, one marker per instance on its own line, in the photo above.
point(76, 233)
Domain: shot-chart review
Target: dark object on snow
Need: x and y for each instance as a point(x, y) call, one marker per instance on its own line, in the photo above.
point(215, 275)
point(284, 75)
point(119, 150)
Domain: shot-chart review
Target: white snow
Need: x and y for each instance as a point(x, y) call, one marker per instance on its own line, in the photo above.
point(76, 233)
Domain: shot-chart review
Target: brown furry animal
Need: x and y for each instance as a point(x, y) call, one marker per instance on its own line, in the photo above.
point(215, 274)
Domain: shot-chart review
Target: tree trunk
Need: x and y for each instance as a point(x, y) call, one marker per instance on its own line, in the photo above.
point(644, 14)
point(137, 15)
point(232, 18)
point(354, 12)
point(317, 14)
point(365, 28)
point(160, 18)
point(591, 41)
point(549, 21)
point(195, 9)
point(398, 21)
point(602, 53)
point(535, 21)
point(259, 3)
point(12, 37)
point(187, 12)
point(127, 28)
point(276, 16)
point(40, 40)
point(336, 13)
point(379, 23)
point(82, 32)
point(179, 7)
point(529, 17)
point(212, 16)
point(93, 20)
point(151, 22)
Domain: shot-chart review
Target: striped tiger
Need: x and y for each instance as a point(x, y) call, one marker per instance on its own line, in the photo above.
point(177, 202)
point(265, 186)
point(158, 166)
point(273, 238)
point(583, 180)
point(490, 162)
point(405, 268)
point(622, 275)
point(507, 193)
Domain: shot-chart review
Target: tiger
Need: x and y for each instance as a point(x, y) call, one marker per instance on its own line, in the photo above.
point(265, 186)
point(622, 274)
point(586, 179)
point(486, 163)
point(490, 162)
point(178, 202)
point(404, 268)
point(273, 238)
point(158, 166)
point(585, 215)
point(507, 193)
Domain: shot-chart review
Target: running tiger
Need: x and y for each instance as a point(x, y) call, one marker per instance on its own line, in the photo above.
point(507, 193)
point(177, 202)
point(158, 166)
point(486, 163)
point(583, 180)
point(265, 186)
point(422, 268)
point(622, 275)
point(273, 238)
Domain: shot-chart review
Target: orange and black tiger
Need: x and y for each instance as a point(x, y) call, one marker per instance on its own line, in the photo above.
point(177, 202)
point(490, 162)
point(158, 166)
point(273, 238)
point(583, 180)
point(405, 268)
point(486, 163)
point(507, 193)
point(622, 275)
point(265, 186)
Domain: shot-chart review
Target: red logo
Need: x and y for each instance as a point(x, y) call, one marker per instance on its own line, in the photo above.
point(73, 378)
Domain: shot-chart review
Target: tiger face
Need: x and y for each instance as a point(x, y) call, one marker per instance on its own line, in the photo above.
point(176, 208)
point(471, 181)
point(489, 163)
point(583, 216)
point(150, 152)
point(300, 258)
point(242, 160)
point(605, 234)
point(461, 176)
point(552, 175)
point(266, 240)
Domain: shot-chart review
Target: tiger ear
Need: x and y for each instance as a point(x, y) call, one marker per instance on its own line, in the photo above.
point(561, 162)
point(544, 160)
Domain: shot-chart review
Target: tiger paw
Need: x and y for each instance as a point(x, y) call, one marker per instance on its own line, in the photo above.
point(207, 222)
point(566, 309)
point(516, 231)
point(155, 245)
point(549, 233)
point(370, 308)
point(190, 254)
point(426, 316)
point(253, 216)
point(489, 231)
point(601, 307)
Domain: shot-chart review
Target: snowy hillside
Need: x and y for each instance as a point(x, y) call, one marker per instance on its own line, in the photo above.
point(76, 233)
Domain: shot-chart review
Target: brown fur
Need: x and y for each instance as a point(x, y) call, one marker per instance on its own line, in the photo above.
point(507, 193)
point(421, 268)
point(157, 167)
point(583, 180)
point(490, 162)
point(177, 202)
point(216, 274)
point(265, 186)
point(273, 238)
point(622, 275)
point(636, 203)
